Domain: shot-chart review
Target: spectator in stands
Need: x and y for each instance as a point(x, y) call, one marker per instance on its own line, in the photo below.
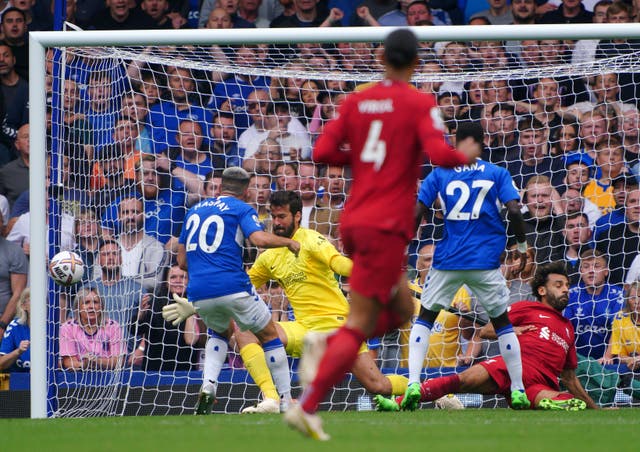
point(135, 108)
point(621, 12)
point(122, 298)
point(101, 110)
point(449, 104)
point(14, 267)
point(572, 201)
point(15, 91)
point(256, 107)
point(15, 354)
point(14, 176)
point(266, 159)
point(229, 6)
point(534, 155)
point(14, 30)
point(569, 12)
point(564, 138)
point(286, 176)
point(421, 11)
point(142, 255)
point(624, 344)
point(620, 185)
point(88, 236)
point(212, 183)
point(307, 13)
point(499, 13)
point(621, 242)
point(454, 57)
point(577, 239)
point(167, 347)
point(325, 215)
point(593, 303)
point(629, 130)
point(519, 282)
point(91, 340)
point(112, 183)
point(578, 169)
point(611, 164)
point(430, 67)
point(594, 129)
point(248, 10)
point(234, 92)
point(503, 145)
point(165, 116)
point(293, 138)
point(542, 225)
point(224, 143)
point(258, 194)
point(545, 104)
point(158, 11)
point(584, 50)
point(119, 15)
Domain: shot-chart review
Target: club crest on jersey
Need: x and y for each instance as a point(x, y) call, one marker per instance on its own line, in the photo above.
point(375, 106)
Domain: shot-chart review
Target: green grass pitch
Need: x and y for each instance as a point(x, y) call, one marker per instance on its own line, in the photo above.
point(428, 430)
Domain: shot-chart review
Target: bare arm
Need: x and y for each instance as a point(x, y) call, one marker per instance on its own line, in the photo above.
point(418, 214)
point(182, 257)
point(9, 359)
point(572, 383)
point(18, 283)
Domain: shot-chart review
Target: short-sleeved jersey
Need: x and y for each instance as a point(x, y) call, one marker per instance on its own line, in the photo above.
point(591, 316)
point(15, 334)
point(106, 342)
point(213, 236)
point(307, 280)
point(474, 231)
point(625, 335)
point(550, 348)
point(389, 128)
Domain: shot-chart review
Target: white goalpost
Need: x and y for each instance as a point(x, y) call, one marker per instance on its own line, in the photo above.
point(136, 54)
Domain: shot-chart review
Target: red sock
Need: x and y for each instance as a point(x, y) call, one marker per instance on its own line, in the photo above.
point(387, 322)
point(342, 351)
point(438, 387)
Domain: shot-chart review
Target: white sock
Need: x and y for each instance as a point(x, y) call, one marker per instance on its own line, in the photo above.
point(510, 351)
point(278, 364)
point(418, 348)
point(215, 352)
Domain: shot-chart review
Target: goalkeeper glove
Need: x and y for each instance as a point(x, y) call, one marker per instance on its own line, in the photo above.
point(178, 312)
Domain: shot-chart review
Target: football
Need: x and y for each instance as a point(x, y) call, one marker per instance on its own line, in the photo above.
point(66, 268)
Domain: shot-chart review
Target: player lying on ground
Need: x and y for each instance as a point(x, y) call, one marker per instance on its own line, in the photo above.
point(548, 351)
point(318, 303)
point(211, 244)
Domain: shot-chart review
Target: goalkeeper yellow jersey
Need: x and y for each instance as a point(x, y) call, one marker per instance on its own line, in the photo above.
point(444, 342)
point(308, 279)
point(625, 335)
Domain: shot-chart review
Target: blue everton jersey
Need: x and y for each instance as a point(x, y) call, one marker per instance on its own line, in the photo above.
point(474, 231)
point(15, 334)
point(213, 236)
point(592, 315)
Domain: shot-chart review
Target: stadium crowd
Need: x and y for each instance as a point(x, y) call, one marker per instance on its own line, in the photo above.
point(140, 142)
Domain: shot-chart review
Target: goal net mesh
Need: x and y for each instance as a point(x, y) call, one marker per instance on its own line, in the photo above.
point(139, 134)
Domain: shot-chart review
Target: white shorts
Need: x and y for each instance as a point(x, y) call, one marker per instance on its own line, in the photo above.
point(247, 309)
point(489, 287)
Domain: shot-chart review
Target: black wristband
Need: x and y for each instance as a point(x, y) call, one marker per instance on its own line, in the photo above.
point(3, 325)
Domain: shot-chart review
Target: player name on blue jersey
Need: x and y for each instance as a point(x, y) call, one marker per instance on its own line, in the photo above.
point(471, 196)
point(213, 236)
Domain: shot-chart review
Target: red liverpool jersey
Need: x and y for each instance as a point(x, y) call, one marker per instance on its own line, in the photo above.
point(550, 348)
point(388, 130)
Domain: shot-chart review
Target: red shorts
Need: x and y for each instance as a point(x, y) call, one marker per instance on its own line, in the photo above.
point(534, 381)
point(378, 258)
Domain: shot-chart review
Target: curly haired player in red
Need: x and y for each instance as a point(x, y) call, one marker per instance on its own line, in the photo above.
point(547, 341)
point(384, 133)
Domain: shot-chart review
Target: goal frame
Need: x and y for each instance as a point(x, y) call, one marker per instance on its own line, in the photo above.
point(40, 41)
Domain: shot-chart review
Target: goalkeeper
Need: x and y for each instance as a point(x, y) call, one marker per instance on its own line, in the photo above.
point(211, 249)
point(317, 301)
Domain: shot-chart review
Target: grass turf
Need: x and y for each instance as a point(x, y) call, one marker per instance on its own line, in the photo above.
point(430, 430)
